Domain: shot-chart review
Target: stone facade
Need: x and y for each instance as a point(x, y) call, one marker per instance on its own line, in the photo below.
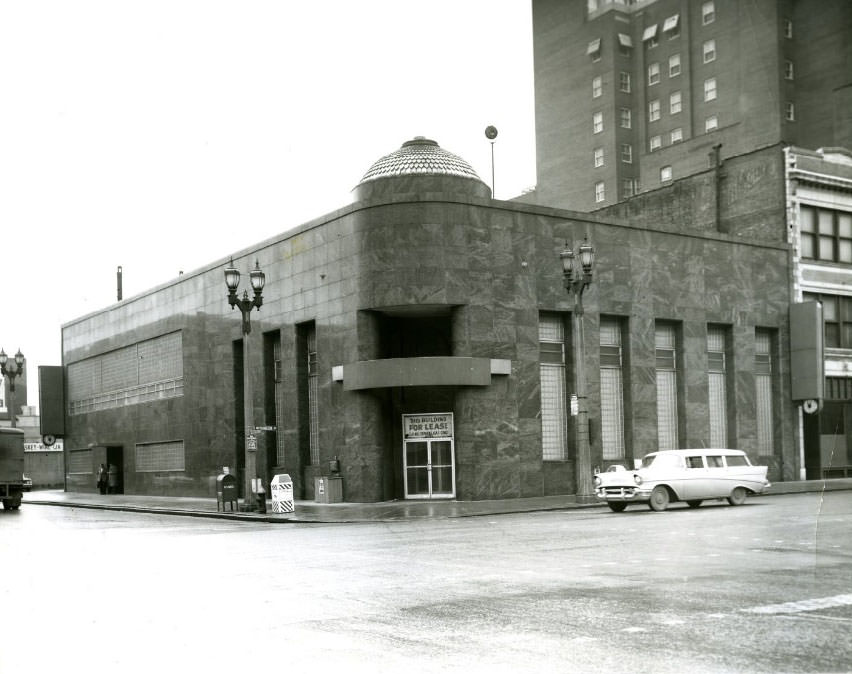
point(429, 266)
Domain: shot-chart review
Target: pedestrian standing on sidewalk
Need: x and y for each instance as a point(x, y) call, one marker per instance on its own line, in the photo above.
point(112, 479)
point(102, 479)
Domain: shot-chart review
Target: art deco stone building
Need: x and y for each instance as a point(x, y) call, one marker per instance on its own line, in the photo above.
point(420, 337)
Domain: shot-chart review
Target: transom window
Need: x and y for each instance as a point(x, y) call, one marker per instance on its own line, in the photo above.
point(826, 234)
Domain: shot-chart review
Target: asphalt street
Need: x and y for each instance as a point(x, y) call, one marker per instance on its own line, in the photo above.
point(763, 587)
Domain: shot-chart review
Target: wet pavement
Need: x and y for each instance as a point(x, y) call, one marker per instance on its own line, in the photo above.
point(311, 512)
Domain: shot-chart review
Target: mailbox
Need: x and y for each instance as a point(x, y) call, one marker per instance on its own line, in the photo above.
point(226, 491)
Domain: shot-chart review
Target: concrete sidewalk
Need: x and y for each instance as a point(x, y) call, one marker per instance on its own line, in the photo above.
point(388, 511)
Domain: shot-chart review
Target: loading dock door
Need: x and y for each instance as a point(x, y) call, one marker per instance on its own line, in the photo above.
point(428, 456)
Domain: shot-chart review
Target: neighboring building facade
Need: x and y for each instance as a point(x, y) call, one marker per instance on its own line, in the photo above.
point(819, 206)
point(420, 337)
point(631, 95)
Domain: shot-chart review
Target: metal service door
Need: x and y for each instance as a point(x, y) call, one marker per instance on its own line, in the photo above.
point(428, 456)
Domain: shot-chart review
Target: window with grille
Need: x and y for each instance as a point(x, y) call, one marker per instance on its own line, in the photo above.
point(763, 390)
point(80, 462)
point(612, 389)
point(156, 457)
point(674, 65)
point(666, 375)
point(313, 396)
point(837, 319)
point(825, 234)
point(717, 385)
point(554, 417)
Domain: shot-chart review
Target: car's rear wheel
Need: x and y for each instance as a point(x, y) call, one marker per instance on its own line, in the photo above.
point(616, 506)
point(659, 500)
point(738, 496)
point(694, 504)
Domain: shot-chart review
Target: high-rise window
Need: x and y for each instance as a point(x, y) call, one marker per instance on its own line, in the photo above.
point(600, 194)
point(629, 187)
point(711, 123)
point(554, 416)
point(612, 389)
point(789, 112)
point(788, 70)
point(826, 234)
point(655, 143)
point(837, 319)
point(597, 122)
point(710, 89)
point(763, 390)
point(788, 28)
point(671, 26)
point(674, 65)
point(654, 73)
point(594, 49)
point(677, 135)
point(597, 86)
point(674, 102)
point(625, 45)
point(624, 82)
point(627, 153)
point(665, 174)
point(654, 110)
point(709, 51)
point(717, 384)
point(708, 13)
point(625, 118)
point(599, 157)
point(666, 374)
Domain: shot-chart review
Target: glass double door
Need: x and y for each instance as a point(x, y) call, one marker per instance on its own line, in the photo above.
point(429, 469)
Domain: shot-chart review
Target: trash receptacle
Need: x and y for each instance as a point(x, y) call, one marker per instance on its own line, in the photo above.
point(328, 489)
point(282, 494)
point(226, 491)
point(260, 499)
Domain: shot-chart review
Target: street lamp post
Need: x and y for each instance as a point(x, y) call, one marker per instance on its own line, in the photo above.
point(245, 305)
point(11, 370)
point(577, 275)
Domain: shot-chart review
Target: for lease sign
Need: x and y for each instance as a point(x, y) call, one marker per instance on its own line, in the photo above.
point(427, 425)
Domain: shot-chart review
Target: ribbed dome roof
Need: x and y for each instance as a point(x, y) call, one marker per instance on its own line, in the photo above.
point(420, 156)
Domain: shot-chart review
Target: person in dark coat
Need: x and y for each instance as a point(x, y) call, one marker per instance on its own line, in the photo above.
point(102, 479)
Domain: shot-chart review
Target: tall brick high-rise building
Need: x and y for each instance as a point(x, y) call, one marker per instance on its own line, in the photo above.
point(632, 94)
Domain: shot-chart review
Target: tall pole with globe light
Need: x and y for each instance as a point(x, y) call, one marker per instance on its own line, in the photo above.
point(245, 305)
point(577, 266)
point(11, 370)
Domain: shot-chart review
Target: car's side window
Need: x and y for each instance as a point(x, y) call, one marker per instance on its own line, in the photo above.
point(715, 462)
point(694, 462)
point(736, 460)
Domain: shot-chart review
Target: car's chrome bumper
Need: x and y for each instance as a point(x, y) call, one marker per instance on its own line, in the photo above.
point(627, 493)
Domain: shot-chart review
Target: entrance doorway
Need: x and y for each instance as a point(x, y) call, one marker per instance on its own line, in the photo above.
point(428, 456)
point(115, 457)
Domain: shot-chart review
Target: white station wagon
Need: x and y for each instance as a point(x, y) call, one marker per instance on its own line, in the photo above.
point(691, 475)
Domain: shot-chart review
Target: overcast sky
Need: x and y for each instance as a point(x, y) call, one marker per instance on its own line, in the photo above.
point(164, 135)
